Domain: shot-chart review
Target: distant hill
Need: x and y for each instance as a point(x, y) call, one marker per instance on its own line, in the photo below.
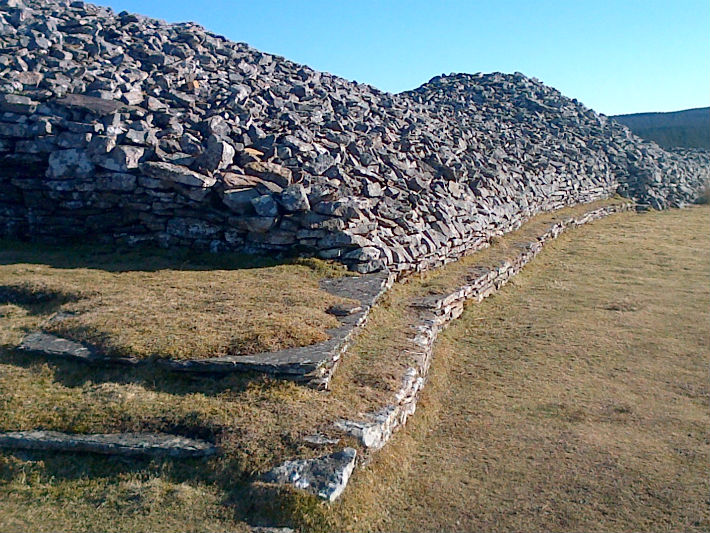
point(679, 129)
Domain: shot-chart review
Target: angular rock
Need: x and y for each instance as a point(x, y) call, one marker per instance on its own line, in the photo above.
point(177, 174)
point(326, 477)
point(97, 106)
point(122, 158)
point(15, 103)
point(294, 198)
point(239, 200)
point(231, 180)
point(218, 155)
point(270, 172)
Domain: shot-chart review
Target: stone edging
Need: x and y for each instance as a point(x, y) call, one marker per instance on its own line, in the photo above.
point(435, 313)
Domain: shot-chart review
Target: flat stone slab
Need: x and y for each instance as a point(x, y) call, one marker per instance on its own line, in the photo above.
point(326, 477)
point(126, 444)
point(313, 364)
point(53, 346)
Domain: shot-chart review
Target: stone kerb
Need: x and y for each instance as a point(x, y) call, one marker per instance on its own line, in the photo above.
point(435, 314)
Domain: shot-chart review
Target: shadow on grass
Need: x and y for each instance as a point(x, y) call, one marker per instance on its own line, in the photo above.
point(247, 499)
point(36, 300)
point(124, 258)
point(75, 374)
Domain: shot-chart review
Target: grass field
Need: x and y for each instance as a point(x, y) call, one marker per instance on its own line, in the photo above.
point(523, 425)
point(576, 399)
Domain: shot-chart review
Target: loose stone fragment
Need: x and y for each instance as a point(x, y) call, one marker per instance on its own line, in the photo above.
point(177, 174)
point(325, 477)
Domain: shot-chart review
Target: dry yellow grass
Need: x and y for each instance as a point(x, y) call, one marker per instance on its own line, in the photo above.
point(151, 304)
point(573, 400)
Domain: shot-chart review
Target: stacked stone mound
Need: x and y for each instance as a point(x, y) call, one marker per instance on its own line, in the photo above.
point(127, 129)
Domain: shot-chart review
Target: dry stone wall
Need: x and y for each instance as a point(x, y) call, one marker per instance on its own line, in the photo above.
point(127, 129)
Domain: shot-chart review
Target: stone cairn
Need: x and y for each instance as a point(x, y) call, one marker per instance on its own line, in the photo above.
point(129, 129)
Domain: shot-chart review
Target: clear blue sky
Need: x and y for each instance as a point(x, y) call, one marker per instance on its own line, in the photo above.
point(616, 56)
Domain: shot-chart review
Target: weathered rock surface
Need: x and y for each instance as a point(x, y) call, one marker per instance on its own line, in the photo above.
point(52, 346)
point(125, 128)
point(325, 476)
point(131, 444)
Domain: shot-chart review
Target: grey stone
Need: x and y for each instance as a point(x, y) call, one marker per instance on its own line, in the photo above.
point(294, 198)
point(265, 206)
point(133, 97)
point(325, 476)
point(218, 155)
point(240, 200)
point(191, 228)
point(177, 174)
point(127, 444)
point(53, 346)
point(97, 106)
point(69, 164)
point(372, 190)
point(122, 158)
point(15, 103)
point(116, 182)
point(344, 309)
point(318, 439)
point(215, 126)
point(259, 224)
